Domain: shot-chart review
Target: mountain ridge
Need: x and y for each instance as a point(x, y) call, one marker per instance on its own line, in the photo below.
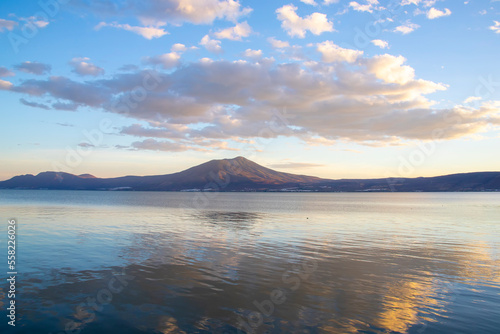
point(241, 174)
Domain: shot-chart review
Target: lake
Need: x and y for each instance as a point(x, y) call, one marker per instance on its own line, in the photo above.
point(165, 262)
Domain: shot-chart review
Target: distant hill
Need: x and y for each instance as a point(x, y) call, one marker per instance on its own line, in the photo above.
point(240, 174)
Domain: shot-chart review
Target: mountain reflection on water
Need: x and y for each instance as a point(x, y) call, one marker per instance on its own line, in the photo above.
point(402, 264)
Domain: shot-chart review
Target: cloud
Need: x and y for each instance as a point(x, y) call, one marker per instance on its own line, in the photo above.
point(5, 85)
point(334, 53)
point(434, 13)
point(277, 44)
point(162, 12)
point(7, 25)
point(34, 104)
point(81, 66)
point(146, 32)
point(368, 7)
point(495, 27)
point(471, 99)
point(167, 60)
point(178, 47)
point(38, 22)
point(33, 67)
point(199, 106)
point(235, 33)
point(390, 69)
point(65, 106)
point(294, 165)
point(297, 26)
point(252, 54)
point(166, 146)
point(309, 2)
point(406, 28)
point(380, 43)
point(4, 72)
point(212, 45)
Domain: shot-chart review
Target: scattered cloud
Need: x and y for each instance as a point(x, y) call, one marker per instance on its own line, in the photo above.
point(178, 47)
point(253, 54)
point(201, 105)
point(296, 26)
point(5, 85)
point(309, 2)
point(495, 27)
point(212, 45)
point(334, 53)
point(82, 66)
point(471, 99)
point(34, 104)
point(146, 32)
point(235, 33)
point(434, 13)
point(167, 60)
point(380, 43)
point(368, 7)
point(7, 25)
point(277, 44)
point(65, 106)
point(162, 12)
point(4, 72)
point(33, 67)
point(406, 28)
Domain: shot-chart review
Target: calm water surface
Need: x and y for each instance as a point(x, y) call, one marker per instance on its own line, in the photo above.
point(156, 262)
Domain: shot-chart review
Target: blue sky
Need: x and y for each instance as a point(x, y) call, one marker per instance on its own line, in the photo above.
point(337, 89)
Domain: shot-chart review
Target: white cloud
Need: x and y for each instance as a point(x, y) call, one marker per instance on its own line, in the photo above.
point(380, 43)
point(146, 32)
point(406, 28)
point(471, 99)
point(7, 25)
point(277, 44)
point(82, 67)
point(333, 53)
point(157, 13)
point(295, 25)
point(368, 7)
point(495, 27)
point(167, 60)
point(5, 85)
point(211, 45)
point(369, 100)
point(409, 2)
point(434, 13)
point(309, 2)
point(327, 2)
point(178, 47)
point(235, 33)
point(390, 69)
point(253, 54)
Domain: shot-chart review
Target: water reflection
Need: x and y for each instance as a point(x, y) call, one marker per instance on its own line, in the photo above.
point(344, 293)
point(154, 269)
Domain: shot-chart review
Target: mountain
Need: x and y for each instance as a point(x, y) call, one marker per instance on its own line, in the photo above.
point(240, 174)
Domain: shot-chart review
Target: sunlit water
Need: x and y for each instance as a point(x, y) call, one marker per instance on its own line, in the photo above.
point(158, 262)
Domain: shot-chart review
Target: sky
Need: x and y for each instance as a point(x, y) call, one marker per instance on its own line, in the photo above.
point(335, 89)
